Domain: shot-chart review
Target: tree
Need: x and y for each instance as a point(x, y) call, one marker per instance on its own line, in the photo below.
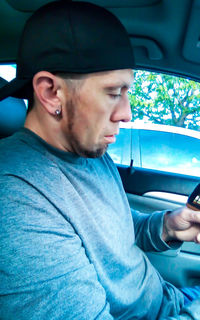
point(165, 99)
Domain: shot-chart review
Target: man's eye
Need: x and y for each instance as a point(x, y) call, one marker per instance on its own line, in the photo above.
point(115, 96)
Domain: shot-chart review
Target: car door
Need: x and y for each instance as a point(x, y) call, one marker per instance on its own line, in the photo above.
point(151, 190)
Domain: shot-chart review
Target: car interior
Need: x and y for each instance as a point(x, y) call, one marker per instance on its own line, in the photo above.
point(165, 36)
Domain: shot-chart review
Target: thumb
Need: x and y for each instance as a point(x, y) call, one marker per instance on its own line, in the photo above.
point(197, 240)
point(194, 216)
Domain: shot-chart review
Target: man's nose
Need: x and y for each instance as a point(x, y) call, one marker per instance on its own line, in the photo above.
point(123, 110)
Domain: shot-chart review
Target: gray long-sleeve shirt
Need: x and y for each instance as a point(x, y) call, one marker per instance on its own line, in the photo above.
point(68, 248)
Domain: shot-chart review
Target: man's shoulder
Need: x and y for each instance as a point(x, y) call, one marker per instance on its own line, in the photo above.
point(17, 157)
point(25, 169)
point(12, 148)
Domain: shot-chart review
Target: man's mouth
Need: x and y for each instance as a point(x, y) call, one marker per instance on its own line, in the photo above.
point(110, 138)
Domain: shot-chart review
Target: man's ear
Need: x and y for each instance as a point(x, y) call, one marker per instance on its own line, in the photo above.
point(47, 90)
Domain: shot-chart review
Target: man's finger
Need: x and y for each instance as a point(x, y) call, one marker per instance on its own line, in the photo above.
point(194, 216)
point(197, 240)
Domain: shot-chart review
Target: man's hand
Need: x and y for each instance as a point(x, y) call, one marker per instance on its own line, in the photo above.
point(182, 224)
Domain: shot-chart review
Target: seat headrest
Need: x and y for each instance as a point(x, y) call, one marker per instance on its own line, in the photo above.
point(12, 114)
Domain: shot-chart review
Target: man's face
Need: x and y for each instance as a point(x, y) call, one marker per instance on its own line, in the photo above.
point(92, 113)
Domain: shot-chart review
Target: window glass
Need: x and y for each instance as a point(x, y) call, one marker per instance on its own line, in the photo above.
point(165, 130)
point(8, 71)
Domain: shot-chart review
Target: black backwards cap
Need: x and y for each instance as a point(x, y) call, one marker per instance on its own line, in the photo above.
point(69, 37)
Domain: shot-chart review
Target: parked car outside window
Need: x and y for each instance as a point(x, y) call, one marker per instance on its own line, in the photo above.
point(159, 147)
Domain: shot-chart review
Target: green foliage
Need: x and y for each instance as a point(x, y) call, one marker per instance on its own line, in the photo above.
point(165, 99)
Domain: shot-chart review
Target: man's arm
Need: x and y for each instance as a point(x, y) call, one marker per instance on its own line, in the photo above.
point(148, 230)
point(161, 231)
point(44, 270)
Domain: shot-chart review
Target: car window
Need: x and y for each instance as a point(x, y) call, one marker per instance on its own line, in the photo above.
point(164, 133)
point(8, 71)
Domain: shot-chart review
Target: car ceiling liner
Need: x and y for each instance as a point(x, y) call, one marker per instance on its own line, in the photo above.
point(191, 48)
point(30, 6)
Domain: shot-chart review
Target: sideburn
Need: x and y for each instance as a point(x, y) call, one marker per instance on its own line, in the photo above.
point(70, 114)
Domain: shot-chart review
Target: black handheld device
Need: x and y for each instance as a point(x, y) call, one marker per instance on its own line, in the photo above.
point(193, 201)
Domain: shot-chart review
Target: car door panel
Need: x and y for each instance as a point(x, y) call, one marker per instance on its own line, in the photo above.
point(183, 269)
point(149, 191)
point(141, 180)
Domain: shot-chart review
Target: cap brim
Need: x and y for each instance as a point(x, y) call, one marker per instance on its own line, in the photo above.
point(15, 88)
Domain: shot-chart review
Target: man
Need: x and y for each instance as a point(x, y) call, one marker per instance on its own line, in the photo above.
point(69, 250)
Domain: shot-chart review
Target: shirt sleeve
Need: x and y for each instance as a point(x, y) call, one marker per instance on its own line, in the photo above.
point(148, 231)
point(44, 270)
